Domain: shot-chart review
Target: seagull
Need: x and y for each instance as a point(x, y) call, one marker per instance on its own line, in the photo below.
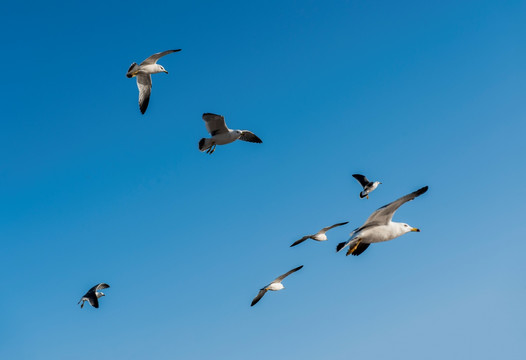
point(320, 235)
point(275, 285)
point(143, 73)
point(92, 296)
point(368, 186)
point(379, 227)
point(221, 134)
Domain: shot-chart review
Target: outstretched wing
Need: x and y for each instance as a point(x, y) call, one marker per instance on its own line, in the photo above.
point(144, 83)
point(300, 240)
point(153, 59)
point(325, 229)
point(361, 179)
point(102, 286)
point(215, 124)
point(280, 278)
point(383, 215)
point(258, 296)
point(250, 137)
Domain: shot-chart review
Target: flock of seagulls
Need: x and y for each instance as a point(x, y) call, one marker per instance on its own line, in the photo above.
point(379, 227)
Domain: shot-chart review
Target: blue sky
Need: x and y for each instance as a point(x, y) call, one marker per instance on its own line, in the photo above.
point(409, 93)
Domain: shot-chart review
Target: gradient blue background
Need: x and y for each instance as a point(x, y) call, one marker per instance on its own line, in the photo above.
point(410, 93)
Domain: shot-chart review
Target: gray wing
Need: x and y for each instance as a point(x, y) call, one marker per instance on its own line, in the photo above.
point(325, 229)
point(301, 240)
point(258, 296)
point(361, 179)
point(153, 59)
point(250, 137)
point(280, 278)
point(144, 83)
point(102, 286)
point(383, 215)
point(215, 124)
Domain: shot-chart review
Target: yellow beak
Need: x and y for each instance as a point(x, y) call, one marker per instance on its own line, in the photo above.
point(415, 230)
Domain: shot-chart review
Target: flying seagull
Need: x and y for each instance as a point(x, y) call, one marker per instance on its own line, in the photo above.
point(275, 285)
point(221, 134)
point(143, 73)
point(320, 235)
point(379, 227)
point(368, 186)
point(92, 296)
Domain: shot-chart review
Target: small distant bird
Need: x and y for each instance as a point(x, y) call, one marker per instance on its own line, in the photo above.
point(320, 235)
point(143, 73)
point(368, 186)
point(379, 227)
point(92, 296)
point(221, 134)
point(274, 285)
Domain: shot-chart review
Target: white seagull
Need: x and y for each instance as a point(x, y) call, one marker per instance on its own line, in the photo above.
point(379, 227)
point(143, 73)
point(221, 134)
point(275, 285)
point(92, 296)
point(320, 235)
point(368, 186)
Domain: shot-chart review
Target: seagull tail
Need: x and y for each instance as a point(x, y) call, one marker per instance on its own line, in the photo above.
point(205, 144)
point(133, 68)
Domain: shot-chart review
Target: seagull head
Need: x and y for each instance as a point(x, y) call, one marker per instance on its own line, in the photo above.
point(408, 228)
point(100, 293)
point(161, 69)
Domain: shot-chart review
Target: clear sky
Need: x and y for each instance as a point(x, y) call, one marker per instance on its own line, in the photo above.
point(410, 93)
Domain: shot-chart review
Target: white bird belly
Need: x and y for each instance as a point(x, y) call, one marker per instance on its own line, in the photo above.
point(223, 139)
point(378, 234)
point(149, 69)
point(320, 237)
point(275, 287)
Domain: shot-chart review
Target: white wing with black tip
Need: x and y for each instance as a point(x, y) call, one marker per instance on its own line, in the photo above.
point(280, 278)
point(153, 58)
point(144, 83)
point(325, 229)
point(383, 215)
point(301, 240)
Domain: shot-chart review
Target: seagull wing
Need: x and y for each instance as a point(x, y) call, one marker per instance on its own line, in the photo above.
point(258, 296)
point(144, 83)
point(325, 229)
point(361, 179)
point(215, 124)
point(102, 286)
point(250, 137)
point(93, 301)
point(153, 59)
point(383, 215)
point(301, 240)
point(280, 278)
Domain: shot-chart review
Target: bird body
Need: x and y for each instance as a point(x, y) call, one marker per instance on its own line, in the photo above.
point(379, 227)
point(221, 134)
point(275, 287)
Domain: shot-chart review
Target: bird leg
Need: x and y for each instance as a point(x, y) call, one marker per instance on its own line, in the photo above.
point(212, 149)
point(367, 196)
point(351, 250)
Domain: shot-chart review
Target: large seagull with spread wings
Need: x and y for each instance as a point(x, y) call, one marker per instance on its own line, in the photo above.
point(379, 227)
point(221, 134)
point(143, 73)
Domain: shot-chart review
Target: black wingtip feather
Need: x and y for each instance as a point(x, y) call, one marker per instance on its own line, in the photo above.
point(340, 246)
